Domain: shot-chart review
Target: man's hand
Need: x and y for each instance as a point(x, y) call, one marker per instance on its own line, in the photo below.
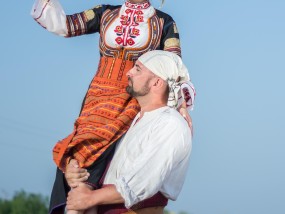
point(75, 175)
point(79, 198)
point(183, 111)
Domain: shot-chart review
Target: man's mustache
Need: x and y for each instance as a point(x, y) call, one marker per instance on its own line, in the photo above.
point(130, 79)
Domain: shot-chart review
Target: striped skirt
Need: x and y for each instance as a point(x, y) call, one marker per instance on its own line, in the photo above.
point(106, 114)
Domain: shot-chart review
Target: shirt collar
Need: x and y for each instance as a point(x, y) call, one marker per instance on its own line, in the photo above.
point(143, 5)
point(158, 110)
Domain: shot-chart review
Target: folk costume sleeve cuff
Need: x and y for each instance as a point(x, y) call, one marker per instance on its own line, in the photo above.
point(50, 15)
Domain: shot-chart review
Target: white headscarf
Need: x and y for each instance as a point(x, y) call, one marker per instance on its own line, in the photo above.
point(169, 67)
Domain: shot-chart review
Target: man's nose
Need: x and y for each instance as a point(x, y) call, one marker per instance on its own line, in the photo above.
point(129, 74)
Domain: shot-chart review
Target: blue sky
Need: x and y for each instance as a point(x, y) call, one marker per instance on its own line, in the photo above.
point(235, 53)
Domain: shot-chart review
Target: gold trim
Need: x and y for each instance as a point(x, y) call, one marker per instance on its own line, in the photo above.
point(175, 27)
point(172, 42)
point(89, 14)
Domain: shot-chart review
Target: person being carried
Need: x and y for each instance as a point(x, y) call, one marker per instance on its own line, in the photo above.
point(150, 162)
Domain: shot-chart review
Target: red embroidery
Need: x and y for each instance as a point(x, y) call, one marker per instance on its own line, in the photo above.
point(135, 32)
point(138, 6)
point(119, 40)
point(127, 31)
point(119, 30)
point(130, 42)
point(187, 95)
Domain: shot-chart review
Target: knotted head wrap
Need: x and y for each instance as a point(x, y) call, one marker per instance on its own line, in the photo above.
point(169, 67)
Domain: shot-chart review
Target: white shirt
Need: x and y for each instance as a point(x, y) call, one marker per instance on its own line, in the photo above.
point(153, 156)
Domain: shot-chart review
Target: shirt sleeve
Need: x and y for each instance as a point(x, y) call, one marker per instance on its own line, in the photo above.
point(86, 22)
point(166, 151)
point(170, 37)
point(50, 15)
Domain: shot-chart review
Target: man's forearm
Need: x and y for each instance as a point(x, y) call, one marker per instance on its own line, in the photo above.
point(107, 195)
point(82, 198)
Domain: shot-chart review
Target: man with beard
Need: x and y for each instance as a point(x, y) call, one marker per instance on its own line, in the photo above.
point(150, 162)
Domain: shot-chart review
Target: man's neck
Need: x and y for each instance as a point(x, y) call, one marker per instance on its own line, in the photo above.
point(147, 105)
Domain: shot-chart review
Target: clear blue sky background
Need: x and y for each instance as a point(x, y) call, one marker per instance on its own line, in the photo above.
point(235, 51)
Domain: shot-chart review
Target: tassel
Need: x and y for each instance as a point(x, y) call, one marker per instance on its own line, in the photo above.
point(162, 3)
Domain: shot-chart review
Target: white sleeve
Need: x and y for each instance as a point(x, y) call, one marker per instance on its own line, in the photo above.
point(50, 15)
point(160, 161)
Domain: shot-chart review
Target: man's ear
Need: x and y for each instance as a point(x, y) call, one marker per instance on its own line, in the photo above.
point(159, 86)
point(159, 83)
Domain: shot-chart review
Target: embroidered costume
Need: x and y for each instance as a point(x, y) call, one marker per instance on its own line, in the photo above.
point(126, 32)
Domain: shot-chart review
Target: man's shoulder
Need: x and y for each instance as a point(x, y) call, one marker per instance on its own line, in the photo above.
point(175, 128)
point(173, 118)
point(172, 114)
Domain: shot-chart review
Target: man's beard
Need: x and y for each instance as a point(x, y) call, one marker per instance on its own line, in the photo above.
point(139, 93)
